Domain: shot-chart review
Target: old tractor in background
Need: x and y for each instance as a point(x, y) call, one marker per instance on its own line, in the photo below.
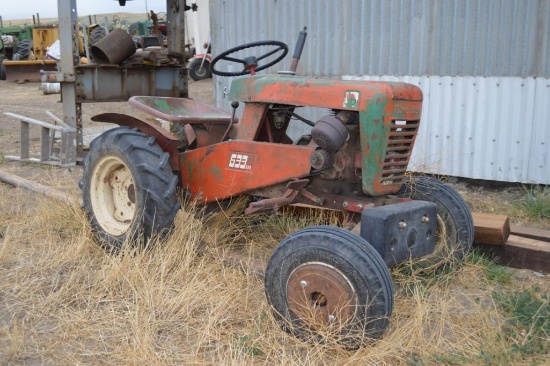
point(15, 44)
point(23, 51)
point(354, 160)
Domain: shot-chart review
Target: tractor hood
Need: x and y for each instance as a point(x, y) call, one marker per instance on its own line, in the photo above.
point(325, 93)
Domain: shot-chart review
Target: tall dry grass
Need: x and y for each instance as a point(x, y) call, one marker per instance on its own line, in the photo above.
point(64, 301)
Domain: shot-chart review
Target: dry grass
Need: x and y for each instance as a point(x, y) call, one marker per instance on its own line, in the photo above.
point(63, 301)
point(519, 202)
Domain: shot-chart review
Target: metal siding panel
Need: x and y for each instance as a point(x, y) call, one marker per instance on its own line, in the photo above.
point(482, 128)
point(457, 52)
point(539, 164)
point(398, 37)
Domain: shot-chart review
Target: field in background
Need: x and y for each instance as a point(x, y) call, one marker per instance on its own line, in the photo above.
point(96, 18)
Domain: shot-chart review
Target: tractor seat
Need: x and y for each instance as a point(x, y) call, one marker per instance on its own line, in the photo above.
point(180, 110)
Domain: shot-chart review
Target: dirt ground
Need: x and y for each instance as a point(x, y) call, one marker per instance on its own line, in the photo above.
point(28, 99)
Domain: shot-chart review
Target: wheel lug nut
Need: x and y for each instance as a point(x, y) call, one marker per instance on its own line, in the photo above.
point(425, 220)
point(303, 283)
point(402, 225)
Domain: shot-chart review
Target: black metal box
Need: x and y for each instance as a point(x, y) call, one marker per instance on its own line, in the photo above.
point(401, 231)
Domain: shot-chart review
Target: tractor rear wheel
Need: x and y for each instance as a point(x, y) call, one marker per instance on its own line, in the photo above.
point(128, 188)
point(455, 227)
point(97, 34)
point(326, 283)
point(197, 72)
point(25, 48)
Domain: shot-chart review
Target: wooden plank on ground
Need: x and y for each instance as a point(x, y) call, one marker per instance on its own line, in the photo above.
point(490, 229)
point(519, 252)
point(529, 232)
point(17, 181)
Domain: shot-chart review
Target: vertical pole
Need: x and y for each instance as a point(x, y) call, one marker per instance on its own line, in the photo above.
point(68, 28)
point(44, 144)
point(175, 10)
point(24, 140)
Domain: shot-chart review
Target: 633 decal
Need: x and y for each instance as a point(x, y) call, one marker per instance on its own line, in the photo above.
point(241, 161)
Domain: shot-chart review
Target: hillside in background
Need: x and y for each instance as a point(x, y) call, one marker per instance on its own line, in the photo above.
point(95, 18)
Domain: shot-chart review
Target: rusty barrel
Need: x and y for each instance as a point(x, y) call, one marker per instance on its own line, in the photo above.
point(114, 48)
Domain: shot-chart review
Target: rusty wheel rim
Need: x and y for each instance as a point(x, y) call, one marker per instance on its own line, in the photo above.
point(113, 195)
point(321, 296)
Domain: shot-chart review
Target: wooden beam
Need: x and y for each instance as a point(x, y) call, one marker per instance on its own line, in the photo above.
point(490, 229)
point(519, 252)
point(529, 232)
point(17, 181)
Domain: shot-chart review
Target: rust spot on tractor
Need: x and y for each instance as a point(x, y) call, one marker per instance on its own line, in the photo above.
point(376, 121)
point(374, 136)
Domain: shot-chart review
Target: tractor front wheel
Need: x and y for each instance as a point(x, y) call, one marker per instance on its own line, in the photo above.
point(128, 188)
point(326, 283)
point(198, 72)
point(455, 227)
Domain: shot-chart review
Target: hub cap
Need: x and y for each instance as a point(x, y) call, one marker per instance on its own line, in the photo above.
point(321, 295)
point(113, 195)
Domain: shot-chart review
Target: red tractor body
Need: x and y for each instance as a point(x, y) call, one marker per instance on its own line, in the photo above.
point(354, 160)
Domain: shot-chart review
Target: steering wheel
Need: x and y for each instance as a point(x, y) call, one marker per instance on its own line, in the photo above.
point(250, 64)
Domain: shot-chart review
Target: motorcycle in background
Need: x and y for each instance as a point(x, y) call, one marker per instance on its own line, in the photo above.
point(199, 66)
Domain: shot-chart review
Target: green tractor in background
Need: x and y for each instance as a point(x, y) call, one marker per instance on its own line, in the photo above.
point(15, 44)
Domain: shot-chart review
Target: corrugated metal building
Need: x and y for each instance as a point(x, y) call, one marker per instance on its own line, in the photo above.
point(483, 65)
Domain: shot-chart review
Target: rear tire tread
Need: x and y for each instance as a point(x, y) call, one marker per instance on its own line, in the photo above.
point(453, 205)
point(155, 184)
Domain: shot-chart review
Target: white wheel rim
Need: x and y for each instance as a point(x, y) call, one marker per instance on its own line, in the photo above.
point(113, 195)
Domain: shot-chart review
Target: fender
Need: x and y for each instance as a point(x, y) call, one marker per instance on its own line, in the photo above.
point(201, 55)
point(167, 141)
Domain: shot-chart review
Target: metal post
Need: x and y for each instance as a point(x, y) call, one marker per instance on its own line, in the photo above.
point(67, 28)
point(175, 10)
point(24, 148)
point(45, 144)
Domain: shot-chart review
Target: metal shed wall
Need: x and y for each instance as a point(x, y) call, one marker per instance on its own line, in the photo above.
point(484, 67)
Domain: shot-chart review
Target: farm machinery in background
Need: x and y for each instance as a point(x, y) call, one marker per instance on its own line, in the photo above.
point(15, 44)
point(147, 34)
point(319, 280)
point(23, 50)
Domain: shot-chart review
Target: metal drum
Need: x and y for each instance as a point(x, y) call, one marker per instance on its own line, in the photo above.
point(116, 47)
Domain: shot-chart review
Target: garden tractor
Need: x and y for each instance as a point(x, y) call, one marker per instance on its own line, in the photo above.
point(319, 279)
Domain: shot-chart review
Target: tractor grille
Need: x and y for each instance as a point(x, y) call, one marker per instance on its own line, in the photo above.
point(400, 143)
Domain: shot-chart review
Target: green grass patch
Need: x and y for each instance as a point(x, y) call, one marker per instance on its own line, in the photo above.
point(494, 273)
point(528, 319)
point(536, 204)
